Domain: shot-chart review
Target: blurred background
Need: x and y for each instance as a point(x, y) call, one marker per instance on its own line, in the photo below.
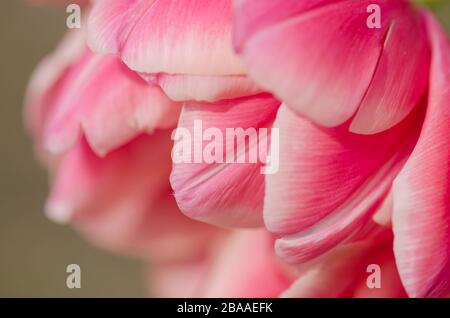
point(34, 252)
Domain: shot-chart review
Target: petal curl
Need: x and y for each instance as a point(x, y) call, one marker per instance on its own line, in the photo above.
point(421, 214)
point(111, 103)
point(338, 272)
point(307, 38)
point(219, 192)
point(330, 182)
point(247, 258)
point(177, 37)
point(180, 87)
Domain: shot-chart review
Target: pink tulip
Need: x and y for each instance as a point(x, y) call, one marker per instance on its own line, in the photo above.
point(193, 61)
point(123, 201)
point(363, 137)
point(105, 131)
point(72, 79)
point(224, 194)
point(309, 37)
point(183, 46)
point(331, 180)
point(244, 264)
point(345, 271)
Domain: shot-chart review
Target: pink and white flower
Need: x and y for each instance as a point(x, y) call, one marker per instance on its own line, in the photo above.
point(104, 133)
point(362, 115)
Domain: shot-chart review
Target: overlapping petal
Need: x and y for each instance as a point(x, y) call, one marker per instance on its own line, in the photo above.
point(203, 88)
point(123, 201)
point(46, 80)
point(333, 276)
point(228, 194)
point(245, 256)
point(421, 193)
point(342, 272)
point(330, 182)
point(74, 90)
point(111, 103)
point(364, 141)
point(381, 73)
point(248, 258)
point(176, 37)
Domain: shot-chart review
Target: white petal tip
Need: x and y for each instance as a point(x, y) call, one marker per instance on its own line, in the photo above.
point(59, 213)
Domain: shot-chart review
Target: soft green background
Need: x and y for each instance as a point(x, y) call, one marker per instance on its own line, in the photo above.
point(33, 251)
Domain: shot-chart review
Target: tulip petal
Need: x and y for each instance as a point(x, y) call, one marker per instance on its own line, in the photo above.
point(421, 213)
point(307, 39)
point(111, 103)
point(252, 16)
point(332, 277)
point(383, 216)
point(247, 267)
point(223, 193)
point(330, 182)
point(46, 81)
point(203, 88)
point(123, 201)
point(337, 273)
point(178, 37)
point(400, 80)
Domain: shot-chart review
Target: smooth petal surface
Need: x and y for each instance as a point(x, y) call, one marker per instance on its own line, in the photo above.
point(251, 17)
point(306, 39)
point(400, 79)
point(46, 80)
point(383, 216)
point(226, 194)
point(342, 272)
point(421, 212)
point(123, 201)
point(247, 267)
point(111, 103)
point(203, 88)
point(177, 37)
point(330, 182)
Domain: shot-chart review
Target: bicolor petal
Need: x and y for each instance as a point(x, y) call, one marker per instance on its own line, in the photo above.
point(123, 201)
point(247, 258)
point(217, 177)
point(183, 87)
point(340, 272)
point(421, 213)
point(373, 78)
point(46, 82)
point(176, 37)
point(330, 182)
point(111, 103)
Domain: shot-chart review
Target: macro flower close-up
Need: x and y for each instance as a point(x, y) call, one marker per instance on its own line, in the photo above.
point(240, 148)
